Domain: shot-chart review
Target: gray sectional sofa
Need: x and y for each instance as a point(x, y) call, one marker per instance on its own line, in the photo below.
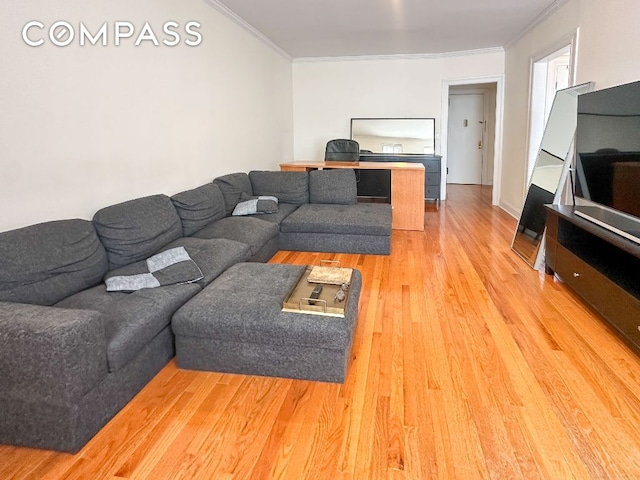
point(72, 353)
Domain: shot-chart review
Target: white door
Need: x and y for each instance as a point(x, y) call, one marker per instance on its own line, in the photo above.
point(465, 148)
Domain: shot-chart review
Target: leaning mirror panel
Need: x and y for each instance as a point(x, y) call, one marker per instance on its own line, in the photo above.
point(549, 173)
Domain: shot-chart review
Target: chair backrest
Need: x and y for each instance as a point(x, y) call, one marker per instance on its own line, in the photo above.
point(342, 150)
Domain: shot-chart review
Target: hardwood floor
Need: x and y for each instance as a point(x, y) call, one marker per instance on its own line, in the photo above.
point(466, 364)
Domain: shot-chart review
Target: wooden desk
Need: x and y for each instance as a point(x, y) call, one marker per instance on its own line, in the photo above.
point(407, 187)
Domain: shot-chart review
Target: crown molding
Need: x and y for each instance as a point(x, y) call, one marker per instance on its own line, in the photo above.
point(542, 16)
point(401, 56)
point(235, 18)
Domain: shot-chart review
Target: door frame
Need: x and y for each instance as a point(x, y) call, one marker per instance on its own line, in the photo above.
point(570, 40)
point(497, 148)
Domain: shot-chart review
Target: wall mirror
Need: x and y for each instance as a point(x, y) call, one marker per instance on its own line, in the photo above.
point(395, 135)
point(549, 174)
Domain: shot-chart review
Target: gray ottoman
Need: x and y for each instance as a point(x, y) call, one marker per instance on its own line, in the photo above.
point(236, 325)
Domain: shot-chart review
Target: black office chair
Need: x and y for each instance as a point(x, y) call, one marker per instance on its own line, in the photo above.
point(342, 150)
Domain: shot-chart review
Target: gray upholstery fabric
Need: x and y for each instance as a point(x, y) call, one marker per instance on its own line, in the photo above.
point(137, 229)
point(284, 210)
point(358, 219)
point(284, 361)
point(69, 426)
point(249, 230)
point(213, 256)
point(50, 354)
point(267, 251)
point(333, 186)
point(237, 324)
point(232, 186)
point(288, 187)
point(41, 264)
point(331, 242)
point(244, 304)
point(117, 389)
point(199, 207)
point(131, 320)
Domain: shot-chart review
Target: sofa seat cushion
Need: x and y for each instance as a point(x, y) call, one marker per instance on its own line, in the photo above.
point(254, 232)
point(211, 256)
point(135, 230)
point(214, 255)
point(199, 207)
point(44, 263)
point(284, 210)
point(131, 320)
point(358, 219)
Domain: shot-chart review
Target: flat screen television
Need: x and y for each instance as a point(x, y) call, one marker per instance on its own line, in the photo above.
point(607, 171)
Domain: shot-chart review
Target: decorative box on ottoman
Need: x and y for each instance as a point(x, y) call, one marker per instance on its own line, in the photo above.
point(236, 325)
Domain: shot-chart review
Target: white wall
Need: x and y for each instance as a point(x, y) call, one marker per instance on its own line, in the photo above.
point(85, 127)
point(608, 54)
point(609, 39)
point(327, 94)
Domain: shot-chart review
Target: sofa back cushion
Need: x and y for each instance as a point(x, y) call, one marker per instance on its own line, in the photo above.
point(137, 229)
point(287, 187)
point(232, 186)
point(333, 186)
point(44, 263)
point(199, 207)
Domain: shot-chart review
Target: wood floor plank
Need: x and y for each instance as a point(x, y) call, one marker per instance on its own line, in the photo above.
point(183, 458)
point(466, 364)
point(288, 444)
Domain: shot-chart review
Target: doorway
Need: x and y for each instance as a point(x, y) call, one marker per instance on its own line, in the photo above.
point(549, 73)
point(493, 84)
point(471, 134)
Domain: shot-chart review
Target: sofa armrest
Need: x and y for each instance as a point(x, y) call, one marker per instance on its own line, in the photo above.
point(50, 354)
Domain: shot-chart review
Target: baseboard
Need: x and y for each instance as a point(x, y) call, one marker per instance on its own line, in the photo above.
point(510, 209)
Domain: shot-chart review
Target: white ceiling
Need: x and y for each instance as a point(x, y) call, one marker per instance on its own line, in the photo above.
point(334, 28)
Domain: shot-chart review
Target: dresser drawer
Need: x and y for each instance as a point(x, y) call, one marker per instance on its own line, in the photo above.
point(432, 179)
point(619, 307)
point(432, 192)
point(432, 166)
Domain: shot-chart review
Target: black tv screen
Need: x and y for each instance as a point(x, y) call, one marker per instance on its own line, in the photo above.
point(608, 148)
